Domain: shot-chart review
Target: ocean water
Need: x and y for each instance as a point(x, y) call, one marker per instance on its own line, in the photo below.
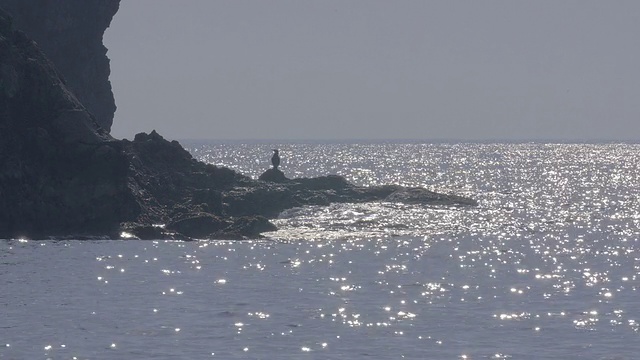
point(546, 267)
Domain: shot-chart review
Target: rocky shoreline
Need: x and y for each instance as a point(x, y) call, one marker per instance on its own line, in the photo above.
point(182, 198)
point(64, 176)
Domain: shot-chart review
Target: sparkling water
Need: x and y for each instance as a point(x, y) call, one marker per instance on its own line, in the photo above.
point(546, 267)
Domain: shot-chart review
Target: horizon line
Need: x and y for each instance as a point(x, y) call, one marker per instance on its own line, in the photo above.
point(424, 141)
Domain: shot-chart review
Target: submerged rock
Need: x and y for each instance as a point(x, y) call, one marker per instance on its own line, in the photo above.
point(424, 196)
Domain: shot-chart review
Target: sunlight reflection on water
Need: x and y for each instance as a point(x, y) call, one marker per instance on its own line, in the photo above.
point(545, 268)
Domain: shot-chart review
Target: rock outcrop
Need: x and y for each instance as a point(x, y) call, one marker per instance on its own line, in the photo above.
point(63, 175)
point(70, 34)
point(273, 175)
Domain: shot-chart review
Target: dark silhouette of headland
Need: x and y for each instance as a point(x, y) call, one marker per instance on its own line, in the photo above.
point(64, 176)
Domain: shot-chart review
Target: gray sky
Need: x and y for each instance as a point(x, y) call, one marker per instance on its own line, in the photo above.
point(469, 70)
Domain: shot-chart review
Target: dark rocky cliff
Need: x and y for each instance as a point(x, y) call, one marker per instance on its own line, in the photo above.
point(70, 34)
point(62, 174)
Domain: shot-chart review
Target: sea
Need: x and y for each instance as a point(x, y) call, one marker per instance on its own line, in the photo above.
point(547, 266)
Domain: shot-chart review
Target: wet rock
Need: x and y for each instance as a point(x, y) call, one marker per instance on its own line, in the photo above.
point(150, 232)
point(199, 226)
point(246, 227)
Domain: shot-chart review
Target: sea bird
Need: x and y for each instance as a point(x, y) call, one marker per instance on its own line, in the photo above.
point(275, 159)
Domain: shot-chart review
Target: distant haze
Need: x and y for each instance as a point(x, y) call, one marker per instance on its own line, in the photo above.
point(466, 70)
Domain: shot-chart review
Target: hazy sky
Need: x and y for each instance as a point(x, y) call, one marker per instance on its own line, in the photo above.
point(470, 70)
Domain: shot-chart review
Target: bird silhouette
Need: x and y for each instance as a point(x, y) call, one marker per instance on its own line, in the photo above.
point(275, 159)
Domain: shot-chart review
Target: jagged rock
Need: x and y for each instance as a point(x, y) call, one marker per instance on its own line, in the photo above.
point(70, 34)
point(170, 184)
point(209, 199)
point(258, 199)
